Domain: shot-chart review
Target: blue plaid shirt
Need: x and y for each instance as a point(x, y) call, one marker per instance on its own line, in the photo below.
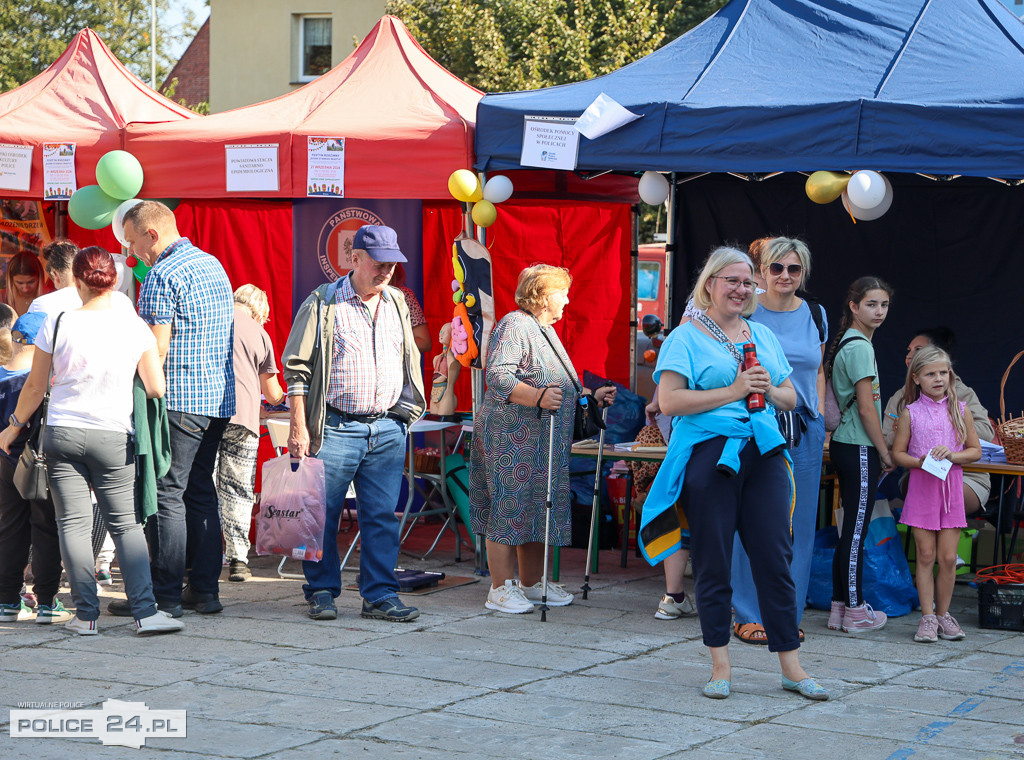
point(189, 290)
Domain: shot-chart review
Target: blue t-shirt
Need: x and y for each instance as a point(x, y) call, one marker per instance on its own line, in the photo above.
point(706, 364)
point(800, 340)
point(11, 384)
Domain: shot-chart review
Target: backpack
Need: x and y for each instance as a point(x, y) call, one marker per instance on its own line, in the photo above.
point(833, 414)
point(815, 306)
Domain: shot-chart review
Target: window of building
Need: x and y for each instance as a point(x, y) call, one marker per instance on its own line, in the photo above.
point(314, 46)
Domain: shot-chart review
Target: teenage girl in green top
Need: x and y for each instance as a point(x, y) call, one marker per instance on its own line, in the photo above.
point(857, 448)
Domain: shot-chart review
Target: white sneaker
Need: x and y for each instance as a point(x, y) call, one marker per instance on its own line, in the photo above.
point(81, 627)
point(557, 596)
point(158, 622)
point(669, 609)
point(508, 598)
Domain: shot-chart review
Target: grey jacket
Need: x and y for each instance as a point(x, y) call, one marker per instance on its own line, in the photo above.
point(307, 357)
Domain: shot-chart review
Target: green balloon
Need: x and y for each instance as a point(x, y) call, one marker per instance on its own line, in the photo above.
point(92, 208)
point(119, 173)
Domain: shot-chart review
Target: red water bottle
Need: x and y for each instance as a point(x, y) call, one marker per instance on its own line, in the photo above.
point(755, 401)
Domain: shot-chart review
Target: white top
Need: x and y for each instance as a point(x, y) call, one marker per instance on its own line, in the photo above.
point(67, 299)
point(94, 367)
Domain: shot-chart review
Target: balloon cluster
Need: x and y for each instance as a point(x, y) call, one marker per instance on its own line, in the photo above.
point(466, 187)
point(866, 195)
point(119, 179)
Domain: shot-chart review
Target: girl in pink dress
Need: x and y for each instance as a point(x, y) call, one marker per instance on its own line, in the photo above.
point(934, 423)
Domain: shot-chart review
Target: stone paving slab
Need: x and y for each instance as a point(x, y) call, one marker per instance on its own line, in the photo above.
point(942, 703)
point(466, 735)
point(218, 738)
point(383, 689)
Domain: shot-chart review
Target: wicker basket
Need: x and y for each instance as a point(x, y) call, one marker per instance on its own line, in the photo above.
point(428, 461)
point(1011, 429)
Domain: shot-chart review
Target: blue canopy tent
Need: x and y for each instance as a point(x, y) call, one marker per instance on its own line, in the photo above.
point(929, 87)
point(932, 86)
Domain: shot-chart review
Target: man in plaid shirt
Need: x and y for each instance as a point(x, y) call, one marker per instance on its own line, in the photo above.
point(187, 300)
point(355, 385)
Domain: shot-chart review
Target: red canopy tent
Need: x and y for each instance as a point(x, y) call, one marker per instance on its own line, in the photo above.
point(86, 97)
point(407, 123)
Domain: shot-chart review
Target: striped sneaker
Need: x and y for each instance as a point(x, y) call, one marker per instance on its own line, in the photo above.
point(47, 614)
point(81, 627)
point(11, 613)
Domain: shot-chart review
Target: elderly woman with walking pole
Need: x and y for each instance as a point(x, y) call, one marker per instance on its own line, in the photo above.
point(523, 430)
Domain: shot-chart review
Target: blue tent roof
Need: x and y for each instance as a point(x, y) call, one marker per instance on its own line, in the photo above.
point(931, 86)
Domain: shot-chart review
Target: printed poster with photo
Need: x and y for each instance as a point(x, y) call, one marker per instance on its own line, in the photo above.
point(325, 167)
point(59, 180)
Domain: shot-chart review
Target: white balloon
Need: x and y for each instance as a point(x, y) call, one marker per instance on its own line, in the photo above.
point(870, 214)
point(866, 189)
point(653, 188)
point(123, 271)
point(117, 223)
point(498, 189)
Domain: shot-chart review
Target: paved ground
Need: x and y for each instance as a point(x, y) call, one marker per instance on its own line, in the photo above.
point(599, 679)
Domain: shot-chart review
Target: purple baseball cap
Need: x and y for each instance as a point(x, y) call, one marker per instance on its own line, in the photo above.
point(380, 242)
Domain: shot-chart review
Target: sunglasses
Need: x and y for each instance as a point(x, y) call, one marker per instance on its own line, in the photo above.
point(776, 269)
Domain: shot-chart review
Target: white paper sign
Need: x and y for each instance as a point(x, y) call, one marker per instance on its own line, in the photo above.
point(937, 467)
point(550, 142)
point(251, 168)
point(603, 116)
point(325, 167)
point(58, 171)
point(15, 167)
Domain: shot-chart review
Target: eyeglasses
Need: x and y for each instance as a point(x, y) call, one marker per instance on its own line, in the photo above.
point(735, 282)
point(776, 269)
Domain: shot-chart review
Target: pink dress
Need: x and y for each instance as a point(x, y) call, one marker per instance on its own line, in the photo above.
point(933, 504)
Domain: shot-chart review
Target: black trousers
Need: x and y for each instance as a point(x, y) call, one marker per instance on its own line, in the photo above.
point(25, 524)
point(859, 469)
point(755, 503)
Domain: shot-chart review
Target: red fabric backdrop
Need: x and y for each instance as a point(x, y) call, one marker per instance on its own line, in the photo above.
point(591, 239)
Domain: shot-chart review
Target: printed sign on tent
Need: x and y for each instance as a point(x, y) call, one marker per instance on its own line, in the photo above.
point(59, 180)
point(325, 167)
point(550, 142)
point(251, 168)
point(15, 167)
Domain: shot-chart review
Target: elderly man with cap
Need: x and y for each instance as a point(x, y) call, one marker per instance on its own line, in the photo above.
point(354, 386)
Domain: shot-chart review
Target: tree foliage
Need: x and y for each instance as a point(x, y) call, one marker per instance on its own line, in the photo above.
point(33, 34)
point(506, 45)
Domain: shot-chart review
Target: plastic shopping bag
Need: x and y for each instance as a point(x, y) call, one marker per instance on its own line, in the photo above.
point(293, 509)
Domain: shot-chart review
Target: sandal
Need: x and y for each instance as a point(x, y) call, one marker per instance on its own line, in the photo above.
point(800, 634)
point(751, 633)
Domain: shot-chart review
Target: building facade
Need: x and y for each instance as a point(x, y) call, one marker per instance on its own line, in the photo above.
point(260, 49)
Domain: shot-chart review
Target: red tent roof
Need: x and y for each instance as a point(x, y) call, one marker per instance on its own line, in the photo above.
point(86, 97)
point(407, 123)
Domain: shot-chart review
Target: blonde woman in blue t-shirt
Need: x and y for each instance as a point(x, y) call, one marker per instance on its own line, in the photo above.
point(857, 448)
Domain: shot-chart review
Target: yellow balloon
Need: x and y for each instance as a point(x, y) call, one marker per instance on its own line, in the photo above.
point(825, 187)
point(463, 185)
point(484, 213)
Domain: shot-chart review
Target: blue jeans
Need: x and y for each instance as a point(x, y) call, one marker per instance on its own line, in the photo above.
point(372, 456)
point(186, 527)
point(807, 475)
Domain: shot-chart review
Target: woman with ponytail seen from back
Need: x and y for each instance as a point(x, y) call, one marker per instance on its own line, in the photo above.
point(857, 449)
point(94, 353)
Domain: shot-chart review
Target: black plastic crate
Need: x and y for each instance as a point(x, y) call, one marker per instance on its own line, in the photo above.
point(1001, 606)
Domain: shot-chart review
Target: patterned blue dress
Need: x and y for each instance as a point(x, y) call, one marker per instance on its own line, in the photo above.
point(509, 459)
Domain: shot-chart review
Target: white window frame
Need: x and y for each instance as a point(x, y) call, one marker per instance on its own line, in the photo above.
point(300, 51)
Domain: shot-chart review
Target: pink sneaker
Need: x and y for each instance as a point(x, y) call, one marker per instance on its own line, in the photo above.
point(949, 629)
point(835, 617)
point(926, 630)
point(862, 618)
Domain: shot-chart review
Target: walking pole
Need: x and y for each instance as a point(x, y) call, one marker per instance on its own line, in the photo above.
point(547, 521)
point(596, 504)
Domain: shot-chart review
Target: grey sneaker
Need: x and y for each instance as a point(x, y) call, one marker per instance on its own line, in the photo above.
point(670, 609)
point(390, 609)
point(321, 606)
